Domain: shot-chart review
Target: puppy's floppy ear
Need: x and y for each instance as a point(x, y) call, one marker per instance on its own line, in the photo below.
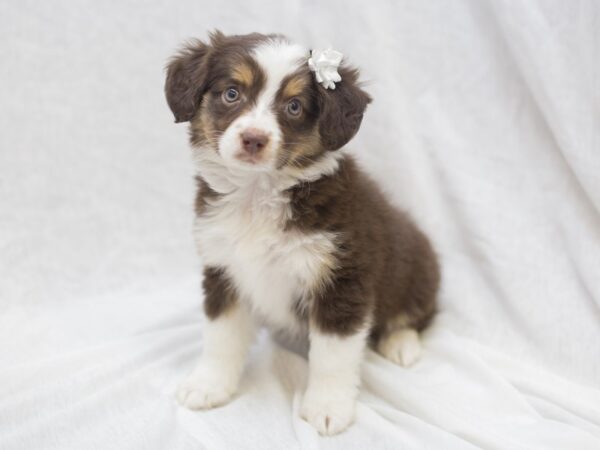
point(186, 80)
point(341, 109)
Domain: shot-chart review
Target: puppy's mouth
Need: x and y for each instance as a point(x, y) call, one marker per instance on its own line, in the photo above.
point(249, 158)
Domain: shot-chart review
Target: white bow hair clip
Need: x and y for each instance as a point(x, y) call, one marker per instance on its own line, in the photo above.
point(324, 63)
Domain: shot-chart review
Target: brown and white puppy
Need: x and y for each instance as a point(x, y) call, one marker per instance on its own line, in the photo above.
point(292, 234)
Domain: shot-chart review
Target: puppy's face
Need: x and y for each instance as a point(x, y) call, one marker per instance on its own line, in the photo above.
point(253, 101)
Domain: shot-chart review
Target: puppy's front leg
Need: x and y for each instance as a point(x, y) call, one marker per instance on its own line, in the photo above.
point(228, 333)
point(334, 379)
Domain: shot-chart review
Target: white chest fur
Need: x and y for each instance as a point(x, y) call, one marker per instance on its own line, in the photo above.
point(272, 269)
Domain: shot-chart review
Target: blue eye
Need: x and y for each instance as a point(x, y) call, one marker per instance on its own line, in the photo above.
point(294, 107)
point(230, 95)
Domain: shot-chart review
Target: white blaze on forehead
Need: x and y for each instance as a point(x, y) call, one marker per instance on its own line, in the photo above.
point(277, 59)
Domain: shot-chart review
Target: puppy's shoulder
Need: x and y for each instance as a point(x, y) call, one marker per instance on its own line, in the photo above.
point(334, 199)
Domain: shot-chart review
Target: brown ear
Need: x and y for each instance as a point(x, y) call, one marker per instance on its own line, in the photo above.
point(186, 80)
point(341, 109)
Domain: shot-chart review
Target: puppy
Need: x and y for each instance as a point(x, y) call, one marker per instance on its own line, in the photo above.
point(291, 232)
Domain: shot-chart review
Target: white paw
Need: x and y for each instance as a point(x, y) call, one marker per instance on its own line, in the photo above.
point(328, 414)
point(402, 347)
point(204, 389)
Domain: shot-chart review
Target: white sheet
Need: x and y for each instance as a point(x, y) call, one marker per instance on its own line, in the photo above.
point(484, 126)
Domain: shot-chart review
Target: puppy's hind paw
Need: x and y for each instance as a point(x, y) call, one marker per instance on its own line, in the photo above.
point(198, 391)
point(401, 346)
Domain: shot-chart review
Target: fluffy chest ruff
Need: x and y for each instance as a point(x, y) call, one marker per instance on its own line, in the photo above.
point(274, 269)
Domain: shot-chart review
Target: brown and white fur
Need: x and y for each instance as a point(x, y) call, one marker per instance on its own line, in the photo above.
point(291, 233)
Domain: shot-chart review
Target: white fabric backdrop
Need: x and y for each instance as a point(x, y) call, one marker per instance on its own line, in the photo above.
point(485, 125)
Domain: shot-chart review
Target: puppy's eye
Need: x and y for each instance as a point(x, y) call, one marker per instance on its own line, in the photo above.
point(294, 107)
point(230, 95)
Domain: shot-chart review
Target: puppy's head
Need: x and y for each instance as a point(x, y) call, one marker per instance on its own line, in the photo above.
point(253, 100)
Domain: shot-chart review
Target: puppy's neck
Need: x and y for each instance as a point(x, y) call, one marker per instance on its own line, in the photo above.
point(225, 179)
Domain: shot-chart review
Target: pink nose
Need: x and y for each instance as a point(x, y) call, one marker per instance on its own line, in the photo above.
point(253, 141)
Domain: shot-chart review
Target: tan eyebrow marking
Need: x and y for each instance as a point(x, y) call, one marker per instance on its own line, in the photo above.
point(295, 86)
point(243, 74)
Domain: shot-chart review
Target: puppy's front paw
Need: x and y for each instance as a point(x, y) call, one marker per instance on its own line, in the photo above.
point(204, 389)
point(329, 413)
